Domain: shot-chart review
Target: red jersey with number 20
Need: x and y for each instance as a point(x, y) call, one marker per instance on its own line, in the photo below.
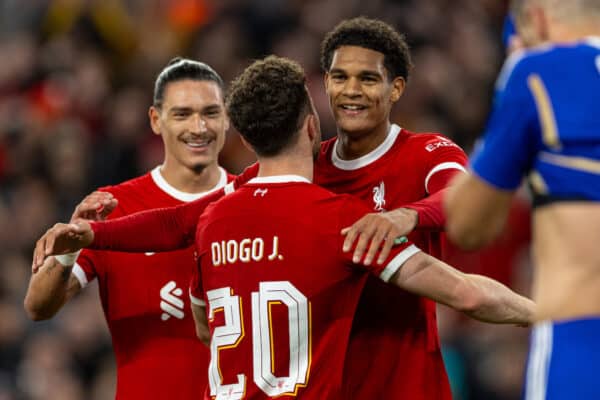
point(146, 305)
point(394, 350)
point(280, 293)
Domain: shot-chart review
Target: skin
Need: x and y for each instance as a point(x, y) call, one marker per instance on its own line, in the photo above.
point(565, 250)
point(192, 123)
point(358, 77)
point(192, 112)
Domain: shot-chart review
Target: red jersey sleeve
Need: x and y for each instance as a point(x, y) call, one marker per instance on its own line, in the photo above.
point(353, 209)
point(161, 229)
point(442, 159)
point(202, 250)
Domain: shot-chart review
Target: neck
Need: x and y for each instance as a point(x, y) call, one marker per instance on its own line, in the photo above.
point(286, 165)
point(188, 180)
point(352, 146)
point(579, 29)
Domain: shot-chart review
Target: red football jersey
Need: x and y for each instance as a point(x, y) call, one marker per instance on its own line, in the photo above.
point(146, 305)
point(389, 357)
point(280, 293)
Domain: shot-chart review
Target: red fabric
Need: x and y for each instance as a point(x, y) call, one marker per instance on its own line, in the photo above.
point(299, 250)
point(159, 229)
point(430, 208)
point(394, 350)
point(146, 304)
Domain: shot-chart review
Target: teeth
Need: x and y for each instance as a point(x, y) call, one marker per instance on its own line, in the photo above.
point(352, 107)
point(197, 144)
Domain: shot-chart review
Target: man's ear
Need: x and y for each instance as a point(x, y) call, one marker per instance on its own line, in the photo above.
point(309, 125)
point(398, 85)
point(326, 80)
point(154, 116)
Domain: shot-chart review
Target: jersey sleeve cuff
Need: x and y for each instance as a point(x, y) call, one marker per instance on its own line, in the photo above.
point(80, 275)
point(197, 301)
point(397, 262)
point(441, 167)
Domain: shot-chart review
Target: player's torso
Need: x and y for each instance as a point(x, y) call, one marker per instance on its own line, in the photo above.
point(146, 304)
point(394, 333)
point(564, 83)
point(288, 298)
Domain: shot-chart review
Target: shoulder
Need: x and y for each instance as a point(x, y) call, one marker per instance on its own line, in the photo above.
point(428, 144)
point(127, 187)
point(521, 63)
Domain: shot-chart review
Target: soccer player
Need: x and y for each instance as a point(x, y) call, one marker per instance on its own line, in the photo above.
point(545, 126)
point(367, 64)
point(144, 295)
point(274, 290)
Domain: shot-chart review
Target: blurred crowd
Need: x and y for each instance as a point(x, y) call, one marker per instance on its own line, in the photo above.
point(76, 80)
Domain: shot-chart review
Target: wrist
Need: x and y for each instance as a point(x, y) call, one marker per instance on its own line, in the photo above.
point(414, 215)
point(67, 260)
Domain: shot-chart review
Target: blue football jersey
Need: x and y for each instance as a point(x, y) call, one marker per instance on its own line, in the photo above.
point(545, 124)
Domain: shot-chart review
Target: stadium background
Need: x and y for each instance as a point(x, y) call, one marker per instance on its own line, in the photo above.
point(76, 80)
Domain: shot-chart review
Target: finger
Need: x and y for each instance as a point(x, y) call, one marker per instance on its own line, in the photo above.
point(361, 246)
point(37, 254)
point(49, 245)
point(376, 241)
point(351, 235)
point(385, 251)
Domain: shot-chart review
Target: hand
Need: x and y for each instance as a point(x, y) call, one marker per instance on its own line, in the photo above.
point(62, 239)
point(95, 207)
point(382, 230)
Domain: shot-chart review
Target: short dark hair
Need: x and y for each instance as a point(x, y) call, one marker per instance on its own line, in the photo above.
point(267, 104)
point(370, 34)
point(179, 69)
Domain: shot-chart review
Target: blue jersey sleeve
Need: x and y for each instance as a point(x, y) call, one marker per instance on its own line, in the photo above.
point(511, 140)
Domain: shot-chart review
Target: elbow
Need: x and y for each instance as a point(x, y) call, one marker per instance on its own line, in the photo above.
point(468, 299)
point(35, 313)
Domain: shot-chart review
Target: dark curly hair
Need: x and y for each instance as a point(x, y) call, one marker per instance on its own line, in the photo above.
point(267, 104)
point(179, 69)
point(371, 34)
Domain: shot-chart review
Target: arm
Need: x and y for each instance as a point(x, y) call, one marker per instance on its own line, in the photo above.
point(479, 297)
point(49, 289)
point(201, 323)
point(382, 230)
point(161, 229)
point(476, 212)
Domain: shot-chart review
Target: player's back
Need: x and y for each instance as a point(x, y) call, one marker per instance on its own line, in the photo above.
point(554, 94)
point(145, 304)
point(281, 294)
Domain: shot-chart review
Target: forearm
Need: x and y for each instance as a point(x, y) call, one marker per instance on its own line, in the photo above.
point(498, 304)
point(49, 289)
point(162, 229)
point(476, 212)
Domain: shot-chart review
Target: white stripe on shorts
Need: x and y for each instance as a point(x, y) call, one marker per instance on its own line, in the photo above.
point(539, 361)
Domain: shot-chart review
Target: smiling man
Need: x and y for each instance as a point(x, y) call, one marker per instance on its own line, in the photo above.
point(144, 296)
point(367, 64)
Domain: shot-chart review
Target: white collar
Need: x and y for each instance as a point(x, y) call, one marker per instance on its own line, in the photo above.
point(161, 182)
point(279, 179)
point(368, 158)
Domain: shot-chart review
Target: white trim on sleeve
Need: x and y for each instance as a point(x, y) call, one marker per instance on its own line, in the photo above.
point(397, 262)
point(441, 167)
point(196, 301)
point(229, 188)
point(80, 275)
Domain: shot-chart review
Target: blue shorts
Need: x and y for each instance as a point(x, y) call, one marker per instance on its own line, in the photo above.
point(564, 361)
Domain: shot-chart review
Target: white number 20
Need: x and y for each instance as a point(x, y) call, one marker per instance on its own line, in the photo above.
point(229, 336)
